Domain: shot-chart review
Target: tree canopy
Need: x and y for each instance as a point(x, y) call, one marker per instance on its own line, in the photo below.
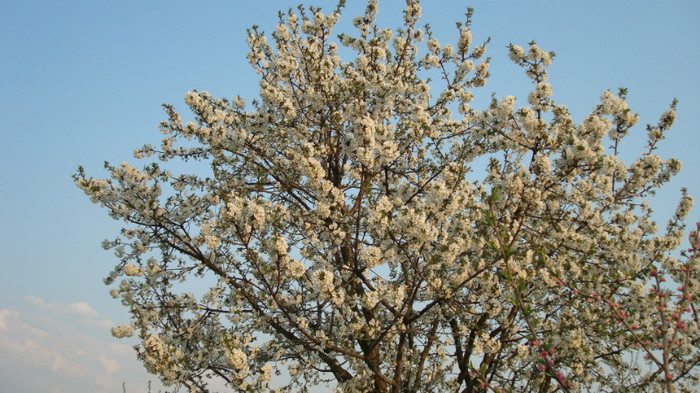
point(362, 225)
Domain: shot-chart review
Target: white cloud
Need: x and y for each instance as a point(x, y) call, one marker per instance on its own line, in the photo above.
point(79, 308)
point(52, 346)
point(35, 300)
point(4, 315)
point(111, 366)
point(82, 308)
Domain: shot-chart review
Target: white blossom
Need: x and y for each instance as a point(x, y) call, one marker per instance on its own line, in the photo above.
point(122, 331)
point(238, 358)
point(132, 270)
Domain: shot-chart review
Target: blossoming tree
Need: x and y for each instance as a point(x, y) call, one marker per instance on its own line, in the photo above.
point(358, 230)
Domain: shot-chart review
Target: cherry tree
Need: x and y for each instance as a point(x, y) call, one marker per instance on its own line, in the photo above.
point(358, 229)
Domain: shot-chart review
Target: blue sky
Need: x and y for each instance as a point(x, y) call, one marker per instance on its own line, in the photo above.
point(82, 82)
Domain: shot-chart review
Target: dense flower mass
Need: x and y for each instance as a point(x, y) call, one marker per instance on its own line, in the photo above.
point(361, 229)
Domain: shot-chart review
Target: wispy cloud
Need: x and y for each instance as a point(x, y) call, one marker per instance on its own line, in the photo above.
point(52, 346)
point(79, 308)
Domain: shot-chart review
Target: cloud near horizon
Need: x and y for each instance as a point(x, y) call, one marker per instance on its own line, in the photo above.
point(57, 347)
